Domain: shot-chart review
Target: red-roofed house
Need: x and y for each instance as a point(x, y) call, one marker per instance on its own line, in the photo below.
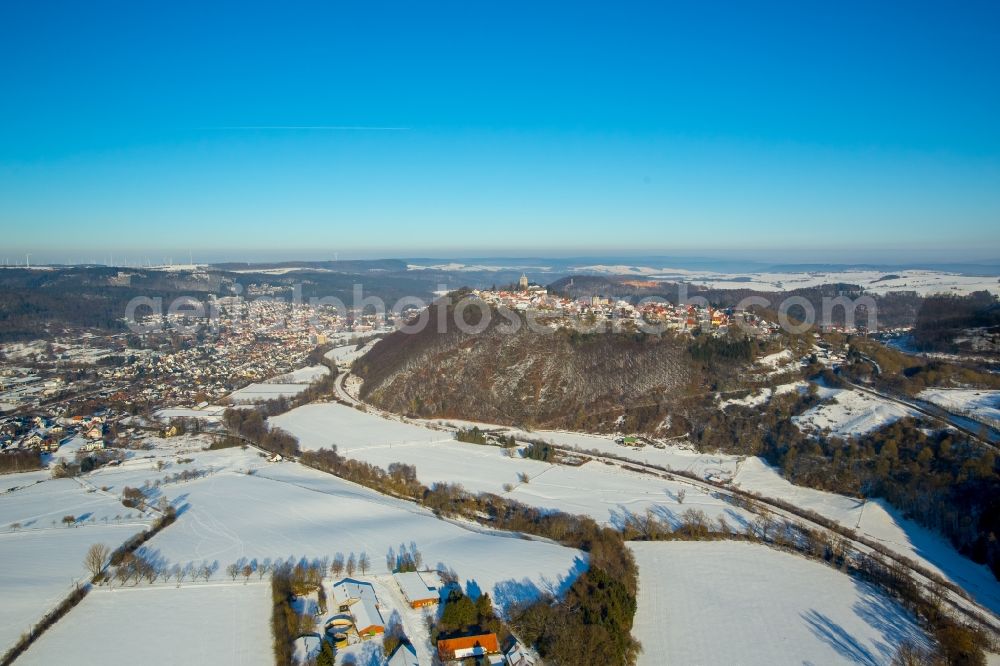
point(468, 646)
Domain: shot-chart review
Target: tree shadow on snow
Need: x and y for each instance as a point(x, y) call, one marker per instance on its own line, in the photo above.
point(889, 619)
point(839, 639)
point(472, 589)
point(739, 521)
point(369, 655)
point(512, 593)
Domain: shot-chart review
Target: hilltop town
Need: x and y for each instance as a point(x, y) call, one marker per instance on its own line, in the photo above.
point(557, 311)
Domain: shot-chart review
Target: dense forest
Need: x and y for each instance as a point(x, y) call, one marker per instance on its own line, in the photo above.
point(946, 323)
point(522, 377)
point(941, 479)
point(32, 301)
point(888, 369)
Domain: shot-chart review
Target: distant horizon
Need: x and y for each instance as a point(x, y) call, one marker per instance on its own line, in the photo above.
point(707, 260)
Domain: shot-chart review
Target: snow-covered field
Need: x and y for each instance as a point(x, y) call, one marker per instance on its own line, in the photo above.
point(239, 507)
point(606, 493)
point(212, 413)
point(260, 392)
point(675, 457)
point(40, 567)
point(38, 506)
point(347, 354)
point(878, 521)
point(764, 395)
point(322, 425)
point(923, 282)
point(287, 510)
point(287, 385)
point(243, 507)
point(609, 495)
point(41, 556)
point(851, 413)
point(224, 624)
point(726, 602)
point(979, 404)
point(302, 375)
point(753, 399)
point(777, 363)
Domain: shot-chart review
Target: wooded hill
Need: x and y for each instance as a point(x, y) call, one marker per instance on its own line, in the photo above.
point(959, 324)
point(555, 378)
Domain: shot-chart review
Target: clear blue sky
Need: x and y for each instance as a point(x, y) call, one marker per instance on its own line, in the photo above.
point(507, 127)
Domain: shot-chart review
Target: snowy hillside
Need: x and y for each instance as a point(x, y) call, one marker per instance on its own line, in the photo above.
point(740, 603)
point(852, 413)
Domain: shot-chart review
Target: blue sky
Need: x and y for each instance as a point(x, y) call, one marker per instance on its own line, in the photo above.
point(493, 128)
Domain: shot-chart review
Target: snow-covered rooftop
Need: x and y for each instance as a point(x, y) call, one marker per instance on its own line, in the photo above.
point(360, 596)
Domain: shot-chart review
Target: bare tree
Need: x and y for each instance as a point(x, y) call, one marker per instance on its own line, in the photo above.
point(247, 572)
point(207, 569)
point(723, 524)
point(337, 567)
point(390, 560)
point(910, 653)
point(681, 494)
point(233, 570)
point(363, 563)
point(97, 558)
point(351, 565)
point(146, 569)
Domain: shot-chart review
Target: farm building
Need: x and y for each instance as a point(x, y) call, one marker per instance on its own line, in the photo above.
point(421, 588)
point(477, 645)
point(403, 655)
point(358, 598)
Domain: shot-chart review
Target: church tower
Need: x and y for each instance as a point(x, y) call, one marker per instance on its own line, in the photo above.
point(523, 282)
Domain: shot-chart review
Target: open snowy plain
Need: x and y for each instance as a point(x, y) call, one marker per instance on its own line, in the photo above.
point(725, 602)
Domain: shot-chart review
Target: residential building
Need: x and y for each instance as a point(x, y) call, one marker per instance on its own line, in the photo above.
point(477, 645)
point(358, 598)
point(420, 588)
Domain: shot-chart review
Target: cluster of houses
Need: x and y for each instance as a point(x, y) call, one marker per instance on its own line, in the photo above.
point(159, 368)
point(46, 435)
point(358, 615)
point(558, 310)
